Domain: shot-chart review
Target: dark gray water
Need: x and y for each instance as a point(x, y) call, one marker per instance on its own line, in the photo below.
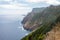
point(11, 28)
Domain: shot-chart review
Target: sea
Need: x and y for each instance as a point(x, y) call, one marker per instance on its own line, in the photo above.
point(11, 27)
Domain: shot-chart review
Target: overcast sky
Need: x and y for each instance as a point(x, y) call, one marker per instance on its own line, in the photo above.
point(23, 6)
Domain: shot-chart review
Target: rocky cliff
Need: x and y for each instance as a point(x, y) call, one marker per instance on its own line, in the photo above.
point(45, 24)
point(29, 18)
point(39, 16)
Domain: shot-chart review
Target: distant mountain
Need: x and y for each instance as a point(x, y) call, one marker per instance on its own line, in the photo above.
point(41, 21)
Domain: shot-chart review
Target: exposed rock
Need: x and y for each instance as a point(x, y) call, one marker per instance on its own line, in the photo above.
point(28, 18)
point(39, 16)
point(45, 23)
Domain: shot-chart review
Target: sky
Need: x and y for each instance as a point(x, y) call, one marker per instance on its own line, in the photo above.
point(8, 7)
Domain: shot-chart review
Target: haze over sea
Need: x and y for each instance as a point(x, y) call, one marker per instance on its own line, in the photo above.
point(11, 27)
point(11, 12)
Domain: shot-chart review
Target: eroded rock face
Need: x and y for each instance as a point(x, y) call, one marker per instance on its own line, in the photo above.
point(27, 20)
point(27, 26)
point(39, 16)
point(46, 22)
point(30, 27)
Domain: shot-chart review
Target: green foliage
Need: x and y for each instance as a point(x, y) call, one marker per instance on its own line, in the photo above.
point(58, 19)
point(50, 16)
point(39, 33)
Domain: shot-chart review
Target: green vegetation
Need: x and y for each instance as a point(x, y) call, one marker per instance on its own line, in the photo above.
point(39, 33)
point(49, 16)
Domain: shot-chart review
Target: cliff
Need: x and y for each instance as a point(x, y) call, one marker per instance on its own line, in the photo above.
point(43, 23)
point(39, 16)
point(29, 18)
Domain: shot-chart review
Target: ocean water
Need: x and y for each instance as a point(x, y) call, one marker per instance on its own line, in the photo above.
point(11, 27)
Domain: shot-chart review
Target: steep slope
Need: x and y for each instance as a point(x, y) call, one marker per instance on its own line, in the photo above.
point(35, 18)
point(27, 20)
point(54, 34)
point(41, 23)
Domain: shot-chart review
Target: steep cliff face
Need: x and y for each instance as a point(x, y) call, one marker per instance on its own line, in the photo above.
point(40, 16)
point(28, 19)
point(48, 31)
point(44, 24)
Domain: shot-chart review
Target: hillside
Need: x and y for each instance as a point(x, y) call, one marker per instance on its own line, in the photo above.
point(54, 34)
point(41, 22)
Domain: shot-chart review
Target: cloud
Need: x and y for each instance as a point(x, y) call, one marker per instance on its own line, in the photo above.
point(23, 6)
point(5, 0)
point(54, 2)
point(47, 1)
point(34, 1)
point(13, 7)
point(13, 4)
point(7, 6)
point(13, 11)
